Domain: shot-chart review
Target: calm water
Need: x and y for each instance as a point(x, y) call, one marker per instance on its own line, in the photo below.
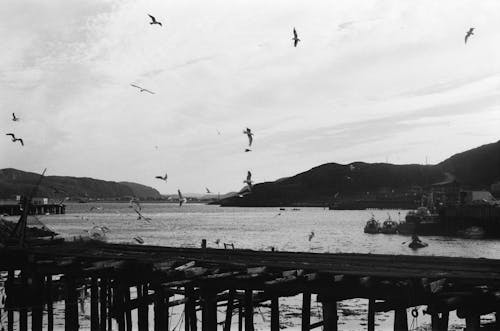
point(259, 229)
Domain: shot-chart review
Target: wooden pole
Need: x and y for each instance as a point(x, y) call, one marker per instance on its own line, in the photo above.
point(330, 316)
point(188, 293)
point(400, 320)
point(23, 311)
point(143, 310)
point(160, 309)
point(306, 311)
point(10, 312)
point(128, 312)
point(248, 311)
point(109, 301)
point(37, 310)
point(439, 323)
point(275, 314)
point(371, 314)
point(240, 315)
point(50, 309)
point(209, 311)
point(103, 302)
point(118, 303)
point(229, 310)
point(71, 304)
point(94, 305)
point(473, 323)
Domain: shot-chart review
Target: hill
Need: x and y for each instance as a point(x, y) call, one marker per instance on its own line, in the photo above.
point(477, 168)
point(16, 182)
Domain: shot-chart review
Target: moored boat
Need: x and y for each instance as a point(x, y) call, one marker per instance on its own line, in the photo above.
point(372, 226)
point(389, 226)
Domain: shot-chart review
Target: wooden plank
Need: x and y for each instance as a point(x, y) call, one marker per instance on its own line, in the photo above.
point(371, 314)
point(330, 316)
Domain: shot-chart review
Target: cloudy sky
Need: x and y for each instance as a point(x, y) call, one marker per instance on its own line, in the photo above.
point(370, 81)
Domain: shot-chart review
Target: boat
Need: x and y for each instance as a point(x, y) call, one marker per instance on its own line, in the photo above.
point(372, 225)
point(473, 232)
point(421, 221)
point(389, 226)
point(417, 245)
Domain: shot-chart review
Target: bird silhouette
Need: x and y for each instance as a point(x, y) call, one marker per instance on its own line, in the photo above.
point(249, 134)
point(468, 34)
point(14, 118)
point(142, 89)
point(139, 240)
point(248, 181)
point(295, 38)
point(162, 178)
point(247, 150)
point(153, 20)
point(311, 235)
point(141, 217)
point(208, 191)
point(14, 139)
point(181, 198)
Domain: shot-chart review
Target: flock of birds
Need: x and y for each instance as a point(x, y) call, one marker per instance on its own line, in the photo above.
point(134, 203)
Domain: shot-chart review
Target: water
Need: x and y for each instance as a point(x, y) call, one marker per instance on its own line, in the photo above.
point(261, 229)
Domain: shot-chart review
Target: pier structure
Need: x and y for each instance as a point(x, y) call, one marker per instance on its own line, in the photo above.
point(39, 209)
point(239, 281)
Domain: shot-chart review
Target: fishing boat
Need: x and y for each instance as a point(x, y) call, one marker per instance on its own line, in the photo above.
point(372, 225)
point(421, 221)
point(389, 226)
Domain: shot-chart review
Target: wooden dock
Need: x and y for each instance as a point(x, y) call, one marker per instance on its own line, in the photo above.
point(240, 281)
point(16, 209)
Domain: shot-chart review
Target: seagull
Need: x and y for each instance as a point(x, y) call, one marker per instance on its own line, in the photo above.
point(247, 150)
point(295, 38)
point(311, 235)
point(469, 33)
point(154, 21)
point(142, 89)
point(139, 240)
point(181, 198)
point(208, 191)
point(162, 178)
point(141, 217)
point(249, 133)
point(14, 118)
point(14, 139)
point(134, 203)
point(217, 242)
point(248, 181)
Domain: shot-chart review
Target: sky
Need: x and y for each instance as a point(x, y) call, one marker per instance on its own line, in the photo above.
point(374, 81)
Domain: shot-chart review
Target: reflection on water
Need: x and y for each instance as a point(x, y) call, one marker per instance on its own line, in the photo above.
point(261, 229)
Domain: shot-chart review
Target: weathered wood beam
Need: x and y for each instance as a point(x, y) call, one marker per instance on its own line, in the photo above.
point(275, 313)
point(94, 304)
point(229, 310)
point(71, 304)
point(103, 304)
point(249, 311)
point(400, 320)
point(371, 314)
point(142, 311)
point(330, 316)
point(306, 311)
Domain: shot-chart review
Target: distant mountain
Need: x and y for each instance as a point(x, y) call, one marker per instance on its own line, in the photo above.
point(16, 182)
point(476, 168)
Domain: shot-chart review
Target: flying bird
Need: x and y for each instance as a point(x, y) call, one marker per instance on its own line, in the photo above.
point(249, 134)
point(134, 203)
point(162, 178)
point(468, 34)
point(208, 191)
point(154, 21)
point(311, 235)
point(141, 217)
point(248, 181)
point(142, 89)
point(181, 198)
point(14, 139)
point(139, 240)
point(295, 38)
point(247, 150)
point(14, 118)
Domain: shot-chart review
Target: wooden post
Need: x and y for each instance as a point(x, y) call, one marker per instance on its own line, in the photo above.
point(275, 314)
point(23, 311)
point(37, 310)
point(118, 303)
point(70, 304)
point(50, 309)
point(371, 314)
point(103, 302)
point(473, 323)
point(94, 305)
point(400, 320)
point(240, 315)
point(439, 323)
point(248, 310)
point(143, 309)
point(128, 312)
point(10, 312)
point(203, 243)
point(109, 291)
point(188, 293)
point(229, 310)
point(209, 311)
point(330, 316)
point(160, 309)
point(306, 311)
